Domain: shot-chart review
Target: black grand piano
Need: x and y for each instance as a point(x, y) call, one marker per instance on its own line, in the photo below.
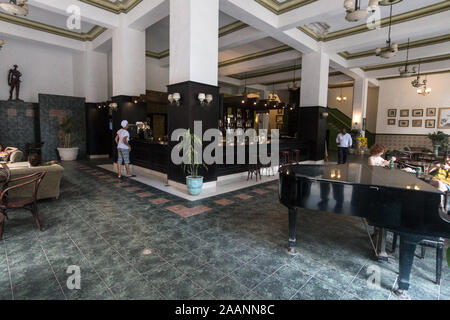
point(389, 199)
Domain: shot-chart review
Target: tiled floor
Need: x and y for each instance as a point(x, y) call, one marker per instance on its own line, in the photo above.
point(132, 241)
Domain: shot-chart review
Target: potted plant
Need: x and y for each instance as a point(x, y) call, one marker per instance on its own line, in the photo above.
point(438, 139)
point(67, 130)
point(191, 162)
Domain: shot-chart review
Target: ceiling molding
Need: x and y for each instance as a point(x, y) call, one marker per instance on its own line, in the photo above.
point(331, 74)
point(400, 18)
point(241, 76)
point(80, 36)
point(117, 7)
point(416, 44)
point(225, 30)
point(280, 8)
point(345, 84)
point(413, 76)
point(232, 27)
point(411, 62)
point(256, 55)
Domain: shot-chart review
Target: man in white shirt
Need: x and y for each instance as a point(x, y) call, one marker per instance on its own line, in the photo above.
point(123, 149)
point(344, 142)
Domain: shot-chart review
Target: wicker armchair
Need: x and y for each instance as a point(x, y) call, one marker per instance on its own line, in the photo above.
point(27, 202)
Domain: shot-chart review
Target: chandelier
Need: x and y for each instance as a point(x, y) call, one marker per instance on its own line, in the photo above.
point(354, 12)
point(293, 86)
point(341, 98)
point(273, 96)
point(421, 86)
point(405, 71)
point(15, 7)
point(392, 47)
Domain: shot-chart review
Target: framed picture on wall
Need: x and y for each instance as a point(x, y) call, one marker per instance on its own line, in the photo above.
point(403, 123)
point(404, 113)
point(391, 122)
point(417, 123)
point(279, 111)
point(431, 124)
point(279, 119)
point(444, 118)
point(392, 113)
point(431, 112)
point(417, 113)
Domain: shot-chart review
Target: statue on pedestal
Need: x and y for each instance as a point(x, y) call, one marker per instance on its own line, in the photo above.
point(14, 82)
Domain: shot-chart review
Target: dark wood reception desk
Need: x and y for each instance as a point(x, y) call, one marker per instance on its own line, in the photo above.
point(150, 155)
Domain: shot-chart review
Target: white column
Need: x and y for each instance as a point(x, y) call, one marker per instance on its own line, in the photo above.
point(314, 84)
point(91, 75)
point(128, 61)
point(360, 90)
point(194, 41)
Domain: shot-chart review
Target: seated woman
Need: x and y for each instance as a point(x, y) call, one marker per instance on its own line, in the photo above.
point(440, 171)
point(5, 153)
point(375, 159)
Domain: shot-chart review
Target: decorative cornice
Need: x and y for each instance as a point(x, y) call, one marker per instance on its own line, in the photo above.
point(228, 29)
point(117, 7)
point(345, 84)
point(422, 74)
point(400, 18)
point(411, 62)
point(256, 55)
point(420, 43)
point(280, 8)
point(80, 36)
point(232, 27)
point(334, 73)
point(264, 73)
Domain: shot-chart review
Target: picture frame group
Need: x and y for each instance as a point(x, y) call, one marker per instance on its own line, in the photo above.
point(443, 121)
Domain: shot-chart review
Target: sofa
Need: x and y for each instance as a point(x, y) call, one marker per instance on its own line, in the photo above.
point(15, 157)
point(49, 187)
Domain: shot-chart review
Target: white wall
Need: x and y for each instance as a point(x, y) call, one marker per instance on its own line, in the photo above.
point(345, 107)
point(157, 76)
point(44, 69)
point(399, 94)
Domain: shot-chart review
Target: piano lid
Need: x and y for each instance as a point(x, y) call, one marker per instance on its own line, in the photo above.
point(355, 173)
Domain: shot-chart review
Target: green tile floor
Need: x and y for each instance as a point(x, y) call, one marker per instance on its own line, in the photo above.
point(128, 247)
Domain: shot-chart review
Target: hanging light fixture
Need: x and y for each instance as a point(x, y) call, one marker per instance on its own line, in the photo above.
point(273, 96)
point(392, 47)
point(15, 7)
point(405, 71)
point(416, 83)
point(424, 90)
point(293, 86)
point(244, 93)
point(341, 98)
point(354, 12)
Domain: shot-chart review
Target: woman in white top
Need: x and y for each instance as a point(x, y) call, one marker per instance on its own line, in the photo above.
point(375, 159)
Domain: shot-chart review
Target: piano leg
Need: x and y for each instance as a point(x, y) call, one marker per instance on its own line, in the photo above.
point(408, 244)
point(381, 245)
point(292, 231)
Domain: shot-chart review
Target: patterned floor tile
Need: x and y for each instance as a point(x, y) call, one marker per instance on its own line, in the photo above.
point(243, 196)
point(224, 202)
point(159, 201)
point(144, 194)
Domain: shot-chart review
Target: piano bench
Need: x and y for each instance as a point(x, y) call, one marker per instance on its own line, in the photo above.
point(438, 244)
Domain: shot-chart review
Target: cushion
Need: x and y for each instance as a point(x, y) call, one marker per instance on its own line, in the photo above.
point(16, 156)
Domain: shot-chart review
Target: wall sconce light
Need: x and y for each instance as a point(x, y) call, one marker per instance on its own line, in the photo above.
point(201, 97)
point(113, 106)
point(174, 97)
point(209, 98)
point(324, 115)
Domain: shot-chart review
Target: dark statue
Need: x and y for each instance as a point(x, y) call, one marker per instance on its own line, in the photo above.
point(14, 82)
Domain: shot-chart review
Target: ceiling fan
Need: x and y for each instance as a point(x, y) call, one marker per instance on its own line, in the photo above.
point(392, 47)
point(15, 7)
point(405, 71)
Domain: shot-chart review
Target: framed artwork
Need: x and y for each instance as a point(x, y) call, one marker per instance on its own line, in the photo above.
point(403, 123)
point(279, 118)
point(430, 124)
point(404, 113)
point(280, 111)
point(431, 112)
point(417, 113)
point(444, 118)
point(391, 122)
point(392, 113)
point(417, 123)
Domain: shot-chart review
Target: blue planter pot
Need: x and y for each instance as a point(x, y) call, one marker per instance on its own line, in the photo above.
point(194, 185)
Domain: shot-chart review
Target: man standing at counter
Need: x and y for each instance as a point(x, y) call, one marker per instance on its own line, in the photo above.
point(344, 141)
point(123, 149)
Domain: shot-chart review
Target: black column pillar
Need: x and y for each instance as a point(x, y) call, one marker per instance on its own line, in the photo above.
point(312, 127)
point(183, 117)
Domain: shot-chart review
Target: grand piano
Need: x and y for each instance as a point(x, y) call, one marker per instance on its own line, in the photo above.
point(389, 199)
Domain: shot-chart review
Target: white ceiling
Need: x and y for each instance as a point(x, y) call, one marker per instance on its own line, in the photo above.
point(266, 30)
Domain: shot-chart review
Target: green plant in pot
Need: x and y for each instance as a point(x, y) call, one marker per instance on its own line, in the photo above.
point(439, 139)
point(68, 130)
point(192, 163)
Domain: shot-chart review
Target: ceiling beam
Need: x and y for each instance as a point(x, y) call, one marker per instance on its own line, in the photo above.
point(147, 13)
